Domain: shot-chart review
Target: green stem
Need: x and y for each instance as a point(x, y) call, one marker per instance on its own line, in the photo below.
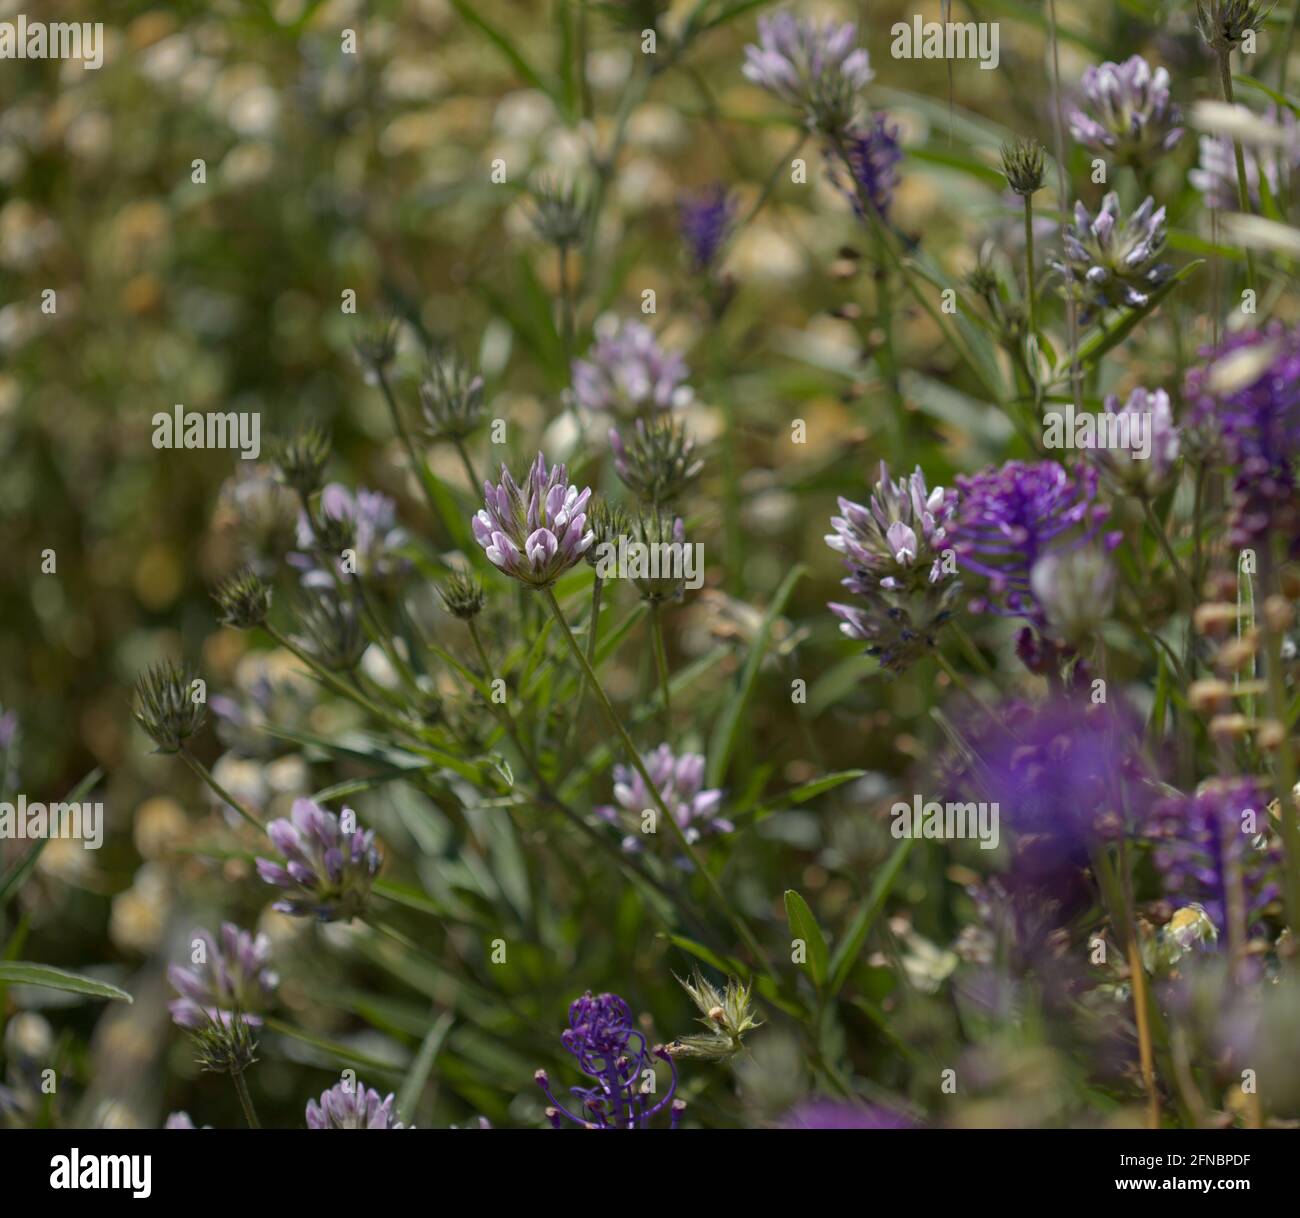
point(1184, 584)
point(206, 775)
point(1031, 296)
point(593, 621)
point(1224, 53)
point(474, 484)
point(245, 1100)
point(661, 663)
point(418, 465)
point(637, 764)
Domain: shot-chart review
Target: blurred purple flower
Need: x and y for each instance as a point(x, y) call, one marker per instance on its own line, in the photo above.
point(1129, 113)
point(705, 220)
point(233, 976)
point(873, 154)
point(327, 870)
point(1203, 842)
point(1011, 516)
point(628, 373)
point(819, 70)
point(352, 1106)
point(365, 523)
point(1123, 467)
point(679, 780)
point(615, 1055)
point(835, 1114)
point(1216, 174)
point(1245, 398)
point(537, 532)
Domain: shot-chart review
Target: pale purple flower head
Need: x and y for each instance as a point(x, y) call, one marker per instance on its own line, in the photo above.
point(180, 1120)
point(1244, 400)
point(1216, 174)
point(1205, 840)
point(705, 220)
point(535, 532)
point(873, 154)
point(352, 1106)
point(1110, 261)
point(327, 869)
point(680, 782)
point(1128, 113)
point(615, 1055)
point(896, 550)
point(836, 1114)
point(818, 69)
point(8, 728)
point(365, 523)
point(234, 975)
point(1144, 466)
point(628, 373)
point(1013, 515)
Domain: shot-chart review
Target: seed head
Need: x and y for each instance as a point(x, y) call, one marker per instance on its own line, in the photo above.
point(462, 595)
point(165, 706)
point(451, 398)
point(300, 459)
point(244, 599)
point(1022, 163)
point(658, 462)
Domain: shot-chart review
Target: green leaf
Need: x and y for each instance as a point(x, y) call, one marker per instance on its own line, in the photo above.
point(805, 927)
point(420, 1068)
point(1104, 340)
point(20, 972)
point(810, 790)
point(847, 950)
point(507, 48)
point(16, 876)
point(724, 735)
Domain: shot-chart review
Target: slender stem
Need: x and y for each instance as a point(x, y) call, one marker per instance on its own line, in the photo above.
point(474, 483)
point(1063, 204)
point(1143, 1016)
point(1285, 769)
point(1224, 54)
point(418, 465)
point(544, 788)
point(1184, 584)
point(204, 773)
point(1285, 61)
point(245, 1100)
point(1031, 296)
point(637, 764)
point(593, 622)
point(343, 689)
point(661, 663)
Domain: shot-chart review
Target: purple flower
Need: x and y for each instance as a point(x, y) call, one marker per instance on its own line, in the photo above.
point(1205, 840)
point(835, 1114)
point(364, 523)
point(1149, 416)
point(1110, 261)
point(1129, 114)
point(705, 220)
point(1075, 589)
point(352, 1106)
point(233, 975)
point(1011, 516)
point(181, 1120)
point(627, 373)
point(1245, 402)
point(679, 781)
point(1216, 175)
point(872, 154)
point(537, 532)
point(615, 1056)
point(897, 552)
point(327, 868)
point(8, 728)
point(817, 69)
